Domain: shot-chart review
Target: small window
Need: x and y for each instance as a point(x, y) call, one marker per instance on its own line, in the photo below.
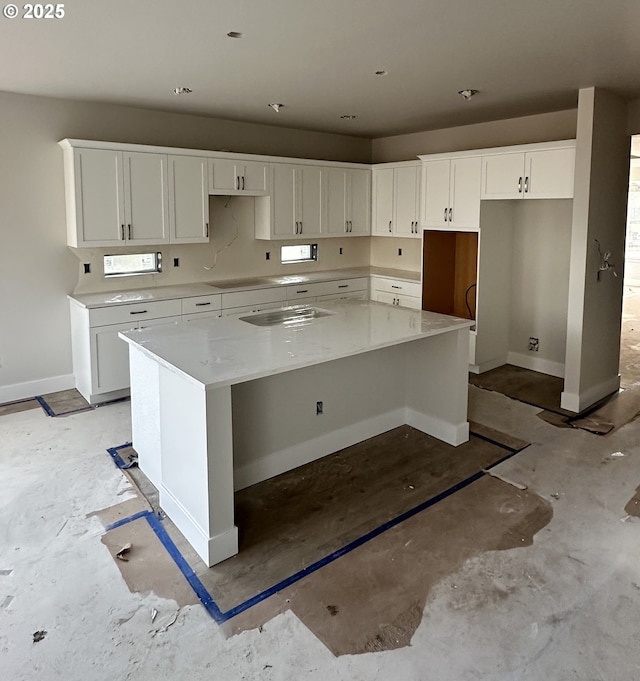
point(129, 264)
point(298, 253)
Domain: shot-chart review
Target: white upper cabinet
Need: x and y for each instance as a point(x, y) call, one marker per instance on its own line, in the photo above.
point(396, 200)
point(451, 193)
point(347, 201)
point(296, 202)
point(383, 190)
point(188, 199)
point(230, 176)
point(116, 198)
point(545, 172)
point(146, 198)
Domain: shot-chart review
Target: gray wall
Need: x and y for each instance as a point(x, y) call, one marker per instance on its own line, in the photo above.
point(559, 125)
point(37, 270)
point(599, 213)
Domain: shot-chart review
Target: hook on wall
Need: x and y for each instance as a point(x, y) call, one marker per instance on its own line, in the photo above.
point(605, 265)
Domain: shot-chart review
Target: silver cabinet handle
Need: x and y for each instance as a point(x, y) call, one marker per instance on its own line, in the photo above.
point(350, 226)
point(303, 290)
point(520, 185)
point(237, 182)
point(526, 185)
point(122, 232)
point(139, 312)
point(129, 227)
point(445, 214)
point(394, 286)
point(450, 214)
point(389, 225)
point(202, 304)
point(346, 225)
point(243, 183)
point(296, 227)
point(206, 229)
point(300, 226)
point(343, 285)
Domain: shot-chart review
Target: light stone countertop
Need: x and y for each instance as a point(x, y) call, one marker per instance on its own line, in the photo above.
point(225, 351)
point(109, 298)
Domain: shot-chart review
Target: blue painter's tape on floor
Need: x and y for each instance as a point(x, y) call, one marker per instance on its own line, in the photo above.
point(114, 453)
point(205, 597)
point(43, 403)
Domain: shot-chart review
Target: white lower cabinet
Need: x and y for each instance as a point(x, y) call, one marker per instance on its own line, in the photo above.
point(100, 358)
point(396, 292)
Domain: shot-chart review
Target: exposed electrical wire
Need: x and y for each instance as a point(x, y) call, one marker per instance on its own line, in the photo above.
point(466, 299)
point(235, 236)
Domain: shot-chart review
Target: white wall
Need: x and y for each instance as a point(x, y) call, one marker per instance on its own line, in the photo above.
point(599, 213)
point(540, 283)
point(558, 125)
point(37, 270)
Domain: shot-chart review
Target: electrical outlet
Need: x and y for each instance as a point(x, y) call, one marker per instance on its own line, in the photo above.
point(267, 255)
point(399, 251)
point(87, 268)
point(319, 408)
point(176, 262)
point(340, 250)
point(534, 344)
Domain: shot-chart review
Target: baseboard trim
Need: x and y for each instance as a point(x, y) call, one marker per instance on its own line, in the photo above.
point(487, 366)
point(212, 550)
point(21, 391)
point(544, 366)
point(578, 402)
point(304, 452)
point(451, 433)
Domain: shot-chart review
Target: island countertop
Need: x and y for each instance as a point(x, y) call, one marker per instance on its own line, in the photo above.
point(230, 350)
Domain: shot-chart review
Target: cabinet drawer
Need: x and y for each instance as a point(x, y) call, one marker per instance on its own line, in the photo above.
point(201, 304)
point(253, 297)
point(397, 286)
point(244, 309)
point(119, 314)
point(325, 288)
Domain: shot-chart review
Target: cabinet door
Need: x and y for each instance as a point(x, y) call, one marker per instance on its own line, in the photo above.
point(406, 201)
point(255, 177)
point(502, 176)
point(223, 176)
point(435, 193)
point(283, 204)
point(308, 191)
point(382, 180)
point(336, 200)
point(358, 186)
point(384, 297)
point(188, 199)
point(146, 198)
point(109, 358)
point(549, 174)
point(99, 197)
point(464, 193)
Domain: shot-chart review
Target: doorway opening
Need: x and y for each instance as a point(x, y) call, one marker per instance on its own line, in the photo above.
point(630, 335)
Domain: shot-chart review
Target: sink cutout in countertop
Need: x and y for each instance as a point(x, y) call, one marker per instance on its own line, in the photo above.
point(286, 316)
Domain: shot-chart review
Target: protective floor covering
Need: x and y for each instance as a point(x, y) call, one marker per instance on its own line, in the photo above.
point(531, 387)
point(63, 402)
point(302, 520)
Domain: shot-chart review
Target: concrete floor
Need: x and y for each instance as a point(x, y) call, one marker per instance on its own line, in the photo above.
point(565, 607)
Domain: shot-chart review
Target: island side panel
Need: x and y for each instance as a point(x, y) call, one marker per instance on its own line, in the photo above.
point(437, 385)
point(197, 464)
point(145, 413)
point(275, 424)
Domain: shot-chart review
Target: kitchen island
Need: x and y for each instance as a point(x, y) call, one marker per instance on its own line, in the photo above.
point(224, 403)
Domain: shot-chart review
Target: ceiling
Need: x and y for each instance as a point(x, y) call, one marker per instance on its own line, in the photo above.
point(319, 58)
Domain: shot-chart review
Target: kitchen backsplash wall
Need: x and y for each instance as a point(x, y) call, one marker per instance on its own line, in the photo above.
point(232, 253)
point(398, 253)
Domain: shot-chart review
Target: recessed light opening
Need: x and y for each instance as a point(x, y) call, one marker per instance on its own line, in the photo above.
point(348, 117)
point(382, 72)
point(182, 91)
point(235, 34)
